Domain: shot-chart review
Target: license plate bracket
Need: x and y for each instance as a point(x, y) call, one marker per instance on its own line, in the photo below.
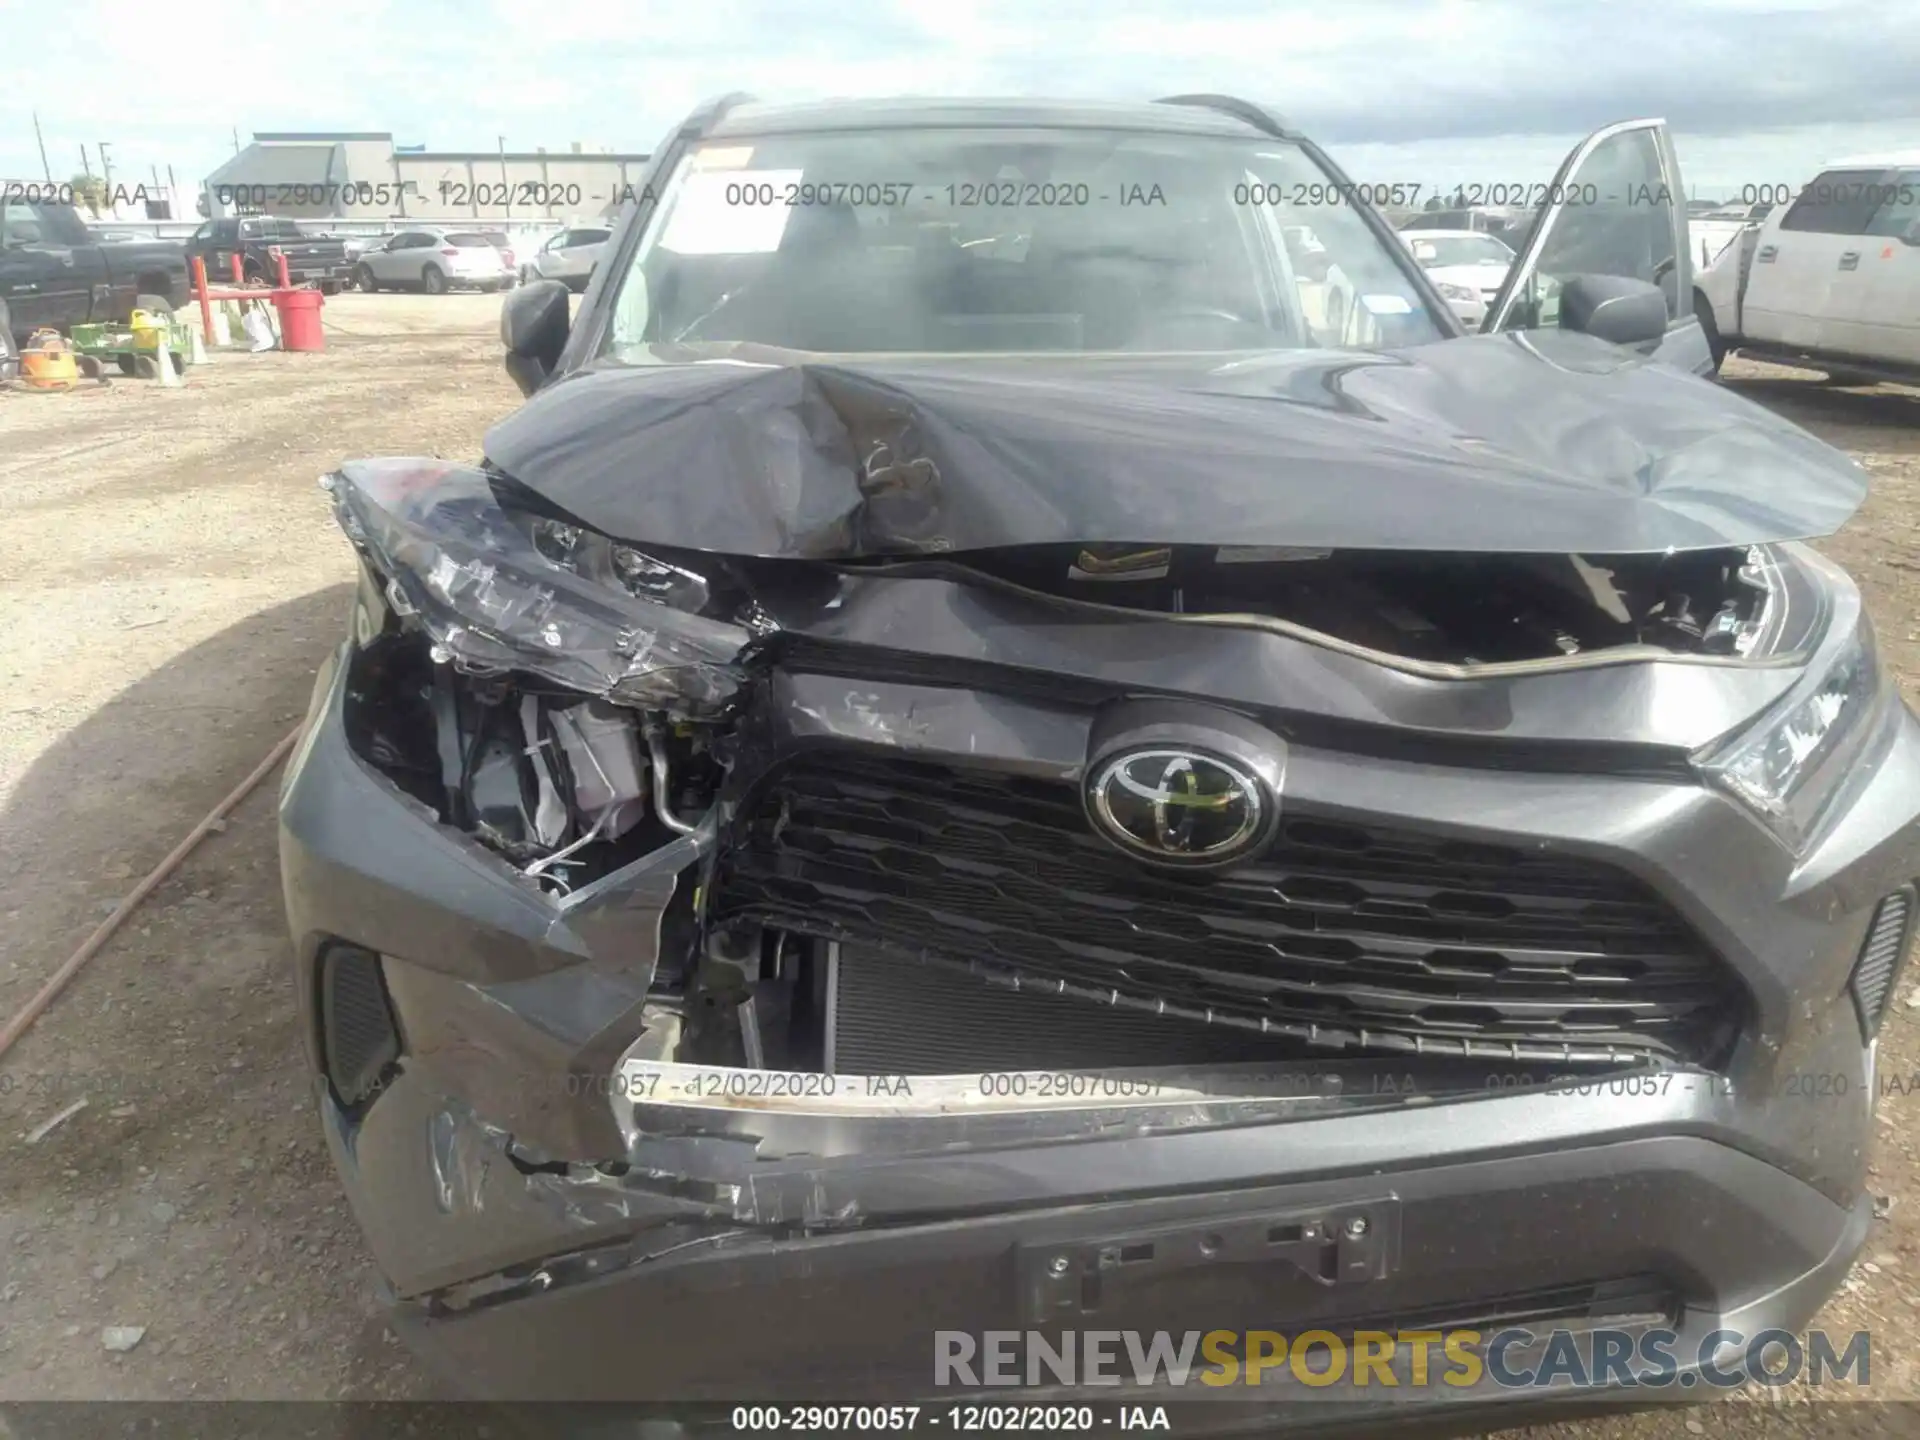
point(1350, 1243)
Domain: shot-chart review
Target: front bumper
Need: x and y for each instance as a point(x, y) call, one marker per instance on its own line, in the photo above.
point(642, 1298)
point(547, 1242)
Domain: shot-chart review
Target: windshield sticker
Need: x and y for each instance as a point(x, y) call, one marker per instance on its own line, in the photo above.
point(1387, 304)
point(721, 157)
point(710, 220)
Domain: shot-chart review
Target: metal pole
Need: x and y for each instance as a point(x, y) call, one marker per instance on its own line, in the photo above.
point(505, 184)
point(200, 291)
point(106, 168)
point(41, 141)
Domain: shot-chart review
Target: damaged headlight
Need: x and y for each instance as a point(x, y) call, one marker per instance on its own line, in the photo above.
point(499, 590)
point(595, 557)
point(1788, 767)
point(1452, 291)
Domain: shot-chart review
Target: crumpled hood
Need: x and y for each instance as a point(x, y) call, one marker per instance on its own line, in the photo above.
point(1542, 442)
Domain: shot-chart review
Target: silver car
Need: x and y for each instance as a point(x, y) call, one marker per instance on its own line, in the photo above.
point(436, 259)
point(570, 256)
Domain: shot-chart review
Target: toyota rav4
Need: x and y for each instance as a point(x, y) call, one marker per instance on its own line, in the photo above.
point(971, 760)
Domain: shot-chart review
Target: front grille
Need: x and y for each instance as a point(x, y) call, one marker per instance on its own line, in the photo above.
point(1343, 936)
point(895, 1016)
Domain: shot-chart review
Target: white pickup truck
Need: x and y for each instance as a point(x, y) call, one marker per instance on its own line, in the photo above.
point(1830, 281)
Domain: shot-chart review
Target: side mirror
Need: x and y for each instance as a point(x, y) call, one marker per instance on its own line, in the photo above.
point(1614, 308)
point(533, 326)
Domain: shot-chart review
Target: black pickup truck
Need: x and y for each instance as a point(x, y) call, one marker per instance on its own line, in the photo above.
point(55, 272)
point(325, 260)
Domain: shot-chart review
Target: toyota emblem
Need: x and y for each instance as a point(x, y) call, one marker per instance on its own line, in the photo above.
point(1180, 807)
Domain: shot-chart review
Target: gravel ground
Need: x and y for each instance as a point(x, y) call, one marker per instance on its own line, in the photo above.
point(169, 580)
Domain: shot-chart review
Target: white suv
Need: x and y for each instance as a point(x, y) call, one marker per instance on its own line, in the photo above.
point(436, 260)
point(570, 256)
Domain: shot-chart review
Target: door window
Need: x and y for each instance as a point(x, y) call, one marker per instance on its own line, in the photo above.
point(19, 225)
point(62, 225)
point(1614, 215)
point(1837, 202)
point(1899, 208)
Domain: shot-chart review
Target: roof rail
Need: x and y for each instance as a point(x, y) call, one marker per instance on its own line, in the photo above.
point(709, 113)
point(1255, 115)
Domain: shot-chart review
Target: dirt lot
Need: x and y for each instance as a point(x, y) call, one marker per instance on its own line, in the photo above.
point(169, 579)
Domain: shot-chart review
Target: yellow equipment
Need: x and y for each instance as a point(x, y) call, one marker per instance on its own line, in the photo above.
point(47, 362)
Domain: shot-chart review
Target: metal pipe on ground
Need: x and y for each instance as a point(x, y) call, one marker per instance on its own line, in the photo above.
point(70, 967)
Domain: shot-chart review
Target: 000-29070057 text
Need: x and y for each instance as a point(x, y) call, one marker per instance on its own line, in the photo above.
point(902, 1419)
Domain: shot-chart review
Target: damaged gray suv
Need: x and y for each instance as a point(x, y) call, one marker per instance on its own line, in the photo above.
point(1021, 734)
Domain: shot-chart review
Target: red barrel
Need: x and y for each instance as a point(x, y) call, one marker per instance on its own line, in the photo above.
point(299, 319)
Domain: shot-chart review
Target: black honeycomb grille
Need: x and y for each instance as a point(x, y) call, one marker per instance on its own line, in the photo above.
point(356, 1023)
point(1342, 936)
point(1880, 955)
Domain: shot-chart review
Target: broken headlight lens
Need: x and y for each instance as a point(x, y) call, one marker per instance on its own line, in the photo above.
point(1789, 766)
point(644, 576)
point(500, 590)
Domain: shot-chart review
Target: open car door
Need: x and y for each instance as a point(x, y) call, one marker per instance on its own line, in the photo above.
point(1615, 207)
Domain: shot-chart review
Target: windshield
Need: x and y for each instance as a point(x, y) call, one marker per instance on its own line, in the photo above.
point(993, 240)
point(1461, 249)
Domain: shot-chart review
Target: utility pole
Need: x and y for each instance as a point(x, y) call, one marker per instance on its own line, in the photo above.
point(106, 166)
point(236, 139)
point(505, 184)
point(86, 167)
point(41, 141)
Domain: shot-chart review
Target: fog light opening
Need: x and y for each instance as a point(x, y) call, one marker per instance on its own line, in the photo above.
point(1876, 974)
point(359, 1040)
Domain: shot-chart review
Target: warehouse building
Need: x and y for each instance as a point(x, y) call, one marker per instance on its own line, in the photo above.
point(363, 175)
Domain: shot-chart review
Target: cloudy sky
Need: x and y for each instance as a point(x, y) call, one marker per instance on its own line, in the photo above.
point(1436, 92)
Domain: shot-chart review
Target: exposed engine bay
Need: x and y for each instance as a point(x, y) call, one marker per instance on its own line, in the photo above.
point(1457, 610)
point(564, 786)
point(573, 703)
point(564, 697)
